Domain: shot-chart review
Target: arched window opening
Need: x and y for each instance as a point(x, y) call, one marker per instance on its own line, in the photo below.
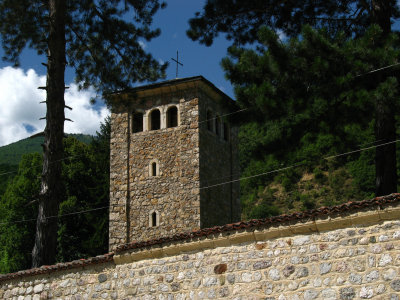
point(226, 132)
point(218, 125)
point(155, 120)
point(154, 168)
point(137, 122)
point(172, 117)
point(209, 120)
point(154, 219)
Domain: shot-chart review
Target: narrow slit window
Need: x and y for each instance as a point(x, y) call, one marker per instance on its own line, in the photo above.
point(154, 168)
point(172, 117)
point(154, 219)
point(218, 125)
point(226, 132)
point(155, 120)
point(137, 122)
point(209, 120)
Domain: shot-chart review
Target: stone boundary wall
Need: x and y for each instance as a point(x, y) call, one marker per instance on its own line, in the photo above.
point(347, 255)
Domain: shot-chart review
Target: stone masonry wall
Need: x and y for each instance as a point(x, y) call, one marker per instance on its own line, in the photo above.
point(118, 178)
point(189, 160)
point(219, 166)
point(174, 193)
point(343, 259)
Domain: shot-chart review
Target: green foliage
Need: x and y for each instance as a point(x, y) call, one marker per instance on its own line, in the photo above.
point(7, 173)
point(240, 21)
point(86, 177)
point(264, 210)
point(259, 204)
point(319, 176)
point(307, 202)
point(19, 203)
point(307, 105)
point(11, 154)
point(103, 38)
point(307, 99)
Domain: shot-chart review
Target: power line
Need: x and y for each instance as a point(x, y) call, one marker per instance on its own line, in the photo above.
point(60, 216)
point(327, 157)
point(367, 148)
point(241, 110)
point(299, 164)
point(223, 183)
point(62, 159)
point(376, 70)
point(224, 115)
point(155, 133)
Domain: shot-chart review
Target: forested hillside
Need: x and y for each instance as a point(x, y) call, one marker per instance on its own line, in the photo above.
point(318, 82)
point(11, 154)
point(309, 119)
point(83, 216)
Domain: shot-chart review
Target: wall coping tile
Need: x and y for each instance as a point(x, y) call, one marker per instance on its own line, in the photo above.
point(349, 214)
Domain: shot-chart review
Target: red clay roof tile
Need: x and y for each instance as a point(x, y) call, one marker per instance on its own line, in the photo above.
point(314, 213)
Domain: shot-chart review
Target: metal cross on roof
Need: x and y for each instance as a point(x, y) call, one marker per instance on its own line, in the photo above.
point(177, 62)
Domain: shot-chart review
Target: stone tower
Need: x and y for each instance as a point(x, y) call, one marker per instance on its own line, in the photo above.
point(174, 160)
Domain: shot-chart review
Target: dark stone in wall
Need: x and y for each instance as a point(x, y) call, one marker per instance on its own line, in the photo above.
point(221, 268)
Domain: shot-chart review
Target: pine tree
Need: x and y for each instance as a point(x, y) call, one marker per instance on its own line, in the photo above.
point(86, 177)
point(18, 209)
point(94, 38)
point(241, 21)
point(86, 181)
point(307, 101)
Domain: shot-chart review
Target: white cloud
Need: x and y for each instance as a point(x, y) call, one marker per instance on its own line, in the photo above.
point(20, 109)
point(85, 118)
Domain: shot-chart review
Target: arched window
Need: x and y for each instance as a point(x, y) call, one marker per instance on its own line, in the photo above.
point(218, 125)
point(226, 131)
point(172, 117)
point(155, 120)
point(137, 122)
point(154, 218)
point(209, 120)
point(154, 168)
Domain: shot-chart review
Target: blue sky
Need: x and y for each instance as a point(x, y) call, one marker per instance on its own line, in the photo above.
point(19, 105)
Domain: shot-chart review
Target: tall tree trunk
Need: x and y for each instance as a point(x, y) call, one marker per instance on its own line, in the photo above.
point(52, 191)
point(385, 126)
point(385, 156)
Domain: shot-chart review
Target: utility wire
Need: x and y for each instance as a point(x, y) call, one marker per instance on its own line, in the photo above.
point(327, 157)
point(155, 133)
point(61, 159)
point(299, 164)
point(241, 110)
point(60, 216)
point(223, 183)
point(224, 115)
point(380, 69)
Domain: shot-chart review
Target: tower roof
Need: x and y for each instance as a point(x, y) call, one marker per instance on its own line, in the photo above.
point(174, 85)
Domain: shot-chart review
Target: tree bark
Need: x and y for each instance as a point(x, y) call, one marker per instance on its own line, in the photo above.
point(385, 125)
point(52, 190)
point(385, 156)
